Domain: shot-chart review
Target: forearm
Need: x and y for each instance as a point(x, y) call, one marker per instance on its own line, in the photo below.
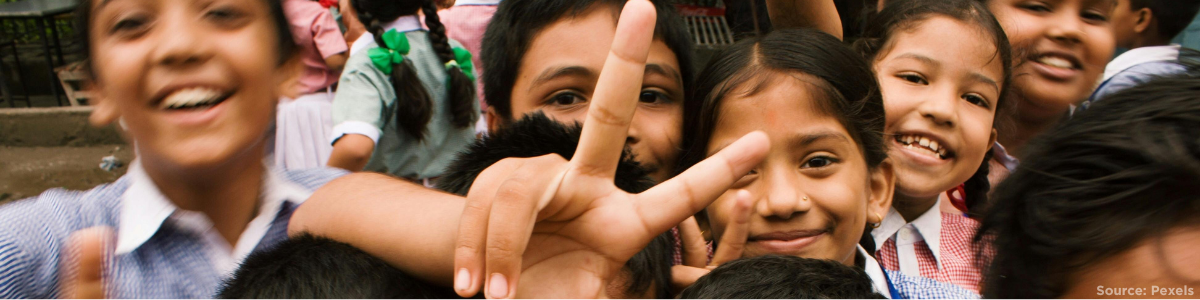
point(817, 14)
point(351, 152)
point(411, 227)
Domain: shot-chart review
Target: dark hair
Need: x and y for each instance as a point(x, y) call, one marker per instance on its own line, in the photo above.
point(283, 33)
point(899, 16)
point(1123, 171)
point(1172, 16)
point(537, 135)
point(309, 267)
point(782, 277)
point(850, 90)
point(517, 22)
point(414, 106)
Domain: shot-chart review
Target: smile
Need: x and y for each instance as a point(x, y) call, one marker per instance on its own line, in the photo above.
point(786, 242)
point(193, 98)
point(922, 144)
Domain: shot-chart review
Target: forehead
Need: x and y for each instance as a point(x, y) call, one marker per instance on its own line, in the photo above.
point(782, 106)
point(973, 49)
point(582, 41)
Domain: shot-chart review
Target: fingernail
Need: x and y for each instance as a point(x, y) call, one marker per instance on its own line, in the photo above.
point(498, 286)
point(462, 281)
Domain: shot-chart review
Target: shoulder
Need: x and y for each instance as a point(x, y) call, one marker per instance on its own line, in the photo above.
point(312, 179)
point(1137, 75)
point(916, 287)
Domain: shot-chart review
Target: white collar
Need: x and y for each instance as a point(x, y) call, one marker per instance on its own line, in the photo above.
point(1138, 56)
point(476, 2)
point(928, 227)
point(878, 279)
point(404, 24)
point(144, 209)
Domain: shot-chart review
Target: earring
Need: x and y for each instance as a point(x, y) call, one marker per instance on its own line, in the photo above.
point(804, 199)
point(876, 225)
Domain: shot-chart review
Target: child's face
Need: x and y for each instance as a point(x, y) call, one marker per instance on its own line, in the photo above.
point(559, 73)
point(217, 56)
point(940, 96)
point(1061, 46)
point(814, 193)
point(1124, 22)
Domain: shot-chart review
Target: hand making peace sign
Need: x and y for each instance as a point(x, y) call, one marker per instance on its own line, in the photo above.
point(564, 227)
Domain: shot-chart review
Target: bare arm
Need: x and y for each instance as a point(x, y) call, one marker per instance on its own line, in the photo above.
point(337, 61)
point(817, 14)
point(411, 227)
point(351, 152)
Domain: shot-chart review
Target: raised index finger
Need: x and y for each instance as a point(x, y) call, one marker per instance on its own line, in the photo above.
point(616, 96)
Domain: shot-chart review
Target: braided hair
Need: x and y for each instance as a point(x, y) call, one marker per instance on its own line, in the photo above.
point(414, 105)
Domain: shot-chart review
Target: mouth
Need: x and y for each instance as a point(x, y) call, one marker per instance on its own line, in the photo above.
point(787, 242)
point(192, 98)
point(1057, 65)
point(923, 144)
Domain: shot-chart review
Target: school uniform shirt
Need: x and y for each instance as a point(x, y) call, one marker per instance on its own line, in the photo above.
point(365, 104)
point(1136, 67)
point(897, 285)
point(935, 245)
point(317, 33)
point(161, 251)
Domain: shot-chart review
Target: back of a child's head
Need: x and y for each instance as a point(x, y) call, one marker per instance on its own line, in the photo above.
point(414, 105)
point(847, 88)
point(782, 277)
point(903, 15)
point(511, 32)
point(309, 267)
point(1172, 16)
point(536, 135)
point(1119, 173)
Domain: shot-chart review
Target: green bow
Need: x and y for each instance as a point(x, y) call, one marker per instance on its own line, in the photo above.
point(395, 47)
point(462, 59)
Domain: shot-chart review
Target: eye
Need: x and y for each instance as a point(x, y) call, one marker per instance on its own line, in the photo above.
point(224, 15)
point(1035, 7)
point(819, 162)
point(130, 24)
point(652, 96)
point(566, 98)
point(913, 78)
point(1095, 16)
point(976, 99)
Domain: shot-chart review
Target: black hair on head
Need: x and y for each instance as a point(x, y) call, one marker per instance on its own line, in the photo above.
point(904, 15)
point(847, 89)
point(536, 135)
point(782, 277)
point(414, 108)
point(309, 267)
point(517, 22)
point(1123, 171)
point(1173, 16)
point(283, 37)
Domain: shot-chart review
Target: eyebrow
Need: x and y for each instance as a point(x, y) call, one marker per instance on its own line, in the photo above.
point(665, 71)
point(807, 139)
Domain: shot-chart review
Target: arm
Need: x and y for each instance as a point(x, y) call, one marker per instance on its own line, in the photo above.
point(351, 152)
point(818, 14)
point(337, 61)
point(409, 226)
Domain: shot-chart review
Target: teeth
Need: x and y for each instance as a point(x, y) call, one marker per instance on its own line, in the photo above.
point(924, 142)
point(916, 142)
point(1057, 62)
point(933, 145)
point(190, 97)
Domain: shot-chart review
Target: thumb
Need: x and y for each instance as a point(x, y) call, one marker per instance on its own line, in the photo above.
point(83, 264)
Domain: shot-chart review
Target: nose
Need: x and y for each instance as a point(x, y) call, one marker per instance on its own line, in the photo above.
point(780, 195)
point(939, 108)
point(1066, 28)
point(181, 43)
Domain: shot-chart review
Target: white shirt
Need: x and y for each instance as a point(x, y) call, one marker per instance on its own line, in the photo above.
point(401, 24)
point(476, 2)
point(144, 210)
point(1138, 56)
point(927, 227)
point(875, 271)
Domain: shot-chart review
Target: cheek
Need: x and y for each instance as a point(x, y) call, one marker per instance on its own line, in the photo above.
point(718, 214)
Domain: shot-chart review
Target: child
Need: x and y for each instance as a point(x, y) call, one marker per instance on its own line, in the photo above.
point(782, 277)
point(1105, 203)
point(303, 124)
point(1145, 28)
point(828, 177)
point(531, 68)
point(407, 106)
point(941, 98)
point(308, 267)
point(195, 87)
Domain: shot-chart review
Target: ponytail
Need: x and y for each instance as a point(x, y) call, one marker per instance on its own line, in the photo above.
point(461, 92)
point(977, 188)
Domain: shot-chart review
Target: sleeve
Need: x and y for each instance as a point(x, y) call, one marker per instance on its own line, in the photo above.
point(34, 230)
point(327, 35)
point(358, 106)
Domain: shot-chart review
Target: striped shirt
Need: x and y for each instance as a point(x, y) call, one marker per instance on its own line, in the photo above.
point(174, 261)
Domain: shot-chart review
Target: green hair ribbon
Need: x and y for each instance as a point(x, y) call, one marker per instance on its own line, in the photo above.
point(462, 60)
point(395, 47)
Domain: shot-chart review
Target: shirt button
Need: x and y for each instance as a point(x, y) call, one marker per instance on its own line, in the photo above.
point(906, 234)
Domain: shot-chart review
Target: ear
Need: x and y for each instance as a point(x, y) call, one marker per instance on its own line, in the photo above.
point(104, 111)
point(992, 139)
point(1144, 16)
point(290, 72)
point(493, 119)
point(883, 187)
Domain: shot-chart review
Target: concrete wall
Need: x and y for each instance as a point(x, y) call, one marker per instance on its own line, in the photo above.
point(53, 127)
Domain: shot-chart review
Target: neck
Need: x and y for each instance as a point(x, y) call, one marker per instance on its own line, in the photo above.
point(1023, 130)
point(228, 194)
point(912, 208)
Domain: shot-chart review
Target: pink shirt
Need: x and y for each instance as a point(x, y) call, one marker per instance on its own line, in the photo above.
point(466, 22)
point(317, 34)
